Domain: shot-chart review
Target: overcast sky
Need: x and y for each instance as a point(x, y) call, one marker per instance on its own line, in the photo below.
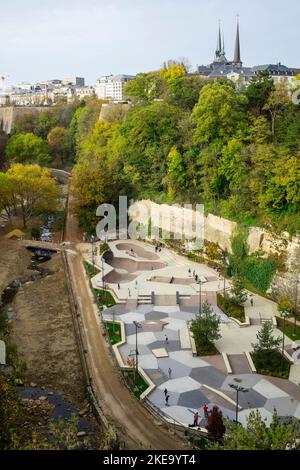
point(46, 39)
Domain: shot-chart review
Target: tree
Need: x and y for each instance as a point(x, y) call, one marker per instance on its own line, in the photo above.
point(8, 412)
point(145, 87)
point(266, 342)
point(206, 329)
point(176, 173)
point(27, 148)
point(219, 114)
point(215, 425)
point(237, 291)
point(256, 435)
point(7, 201)
point(258, 92)
point(277, 99)
point(34, 190)
point(58, 140)
point(26, 124)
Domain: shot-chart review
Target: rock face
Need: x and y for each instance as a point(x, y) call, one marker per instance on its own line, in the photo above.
point(220, 231)
point(9, 114)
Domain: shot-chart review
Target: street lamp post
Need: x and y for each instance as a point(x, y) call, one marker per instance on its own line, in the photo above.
point(137, 325)
point(238, 389)
point(284, 314)
point(93, 253)
point(224, 278)
point(296, 282)
point(200, 297)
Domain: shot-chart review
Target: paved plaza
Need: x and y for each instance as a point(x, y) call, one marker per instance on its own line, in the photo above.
point(196, 381)
point(134, 270)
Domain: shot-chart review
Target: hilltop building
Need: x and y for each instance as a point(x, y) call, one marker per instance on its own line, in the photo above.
point(235, 71)
point(112, 87)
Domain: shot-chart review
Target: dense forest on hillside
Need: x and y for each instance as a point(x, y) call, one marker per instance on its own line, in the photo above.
point(185, 139)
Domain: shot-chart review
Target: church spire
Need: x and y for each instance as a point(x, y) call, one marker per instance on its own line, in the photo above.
point(237, 51)
point(219, 43)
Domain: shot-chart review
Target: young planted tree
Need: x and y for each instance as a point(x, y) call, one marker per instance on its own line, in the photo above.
point(266, 354)
point(237, 291)
point(206, 329)
point(215, 425)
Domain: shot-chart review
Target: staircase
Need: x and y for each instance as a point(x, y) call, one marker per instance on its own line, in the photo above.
point(145, 299)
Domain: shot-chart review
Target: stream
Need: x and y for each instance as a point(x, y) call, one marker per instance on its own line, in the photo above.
point(62, 408)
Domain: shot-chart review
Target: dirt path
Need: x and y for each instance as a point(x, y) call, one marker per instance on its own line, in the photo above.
point(135, 425)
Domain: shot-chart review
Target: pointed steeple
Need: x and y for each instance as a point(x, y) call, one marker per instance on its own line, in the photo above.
point(237, 50)
point(219, 43)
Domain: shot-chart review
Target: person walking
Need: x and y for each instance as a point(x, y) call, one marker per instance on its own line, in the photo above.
point(170, 372)
point(251, 302)
point(165, 392)
point(129, 292)
point(167, 400)
point(118, 286)
point(167, 339)
point(205, 409)
point(196, 419)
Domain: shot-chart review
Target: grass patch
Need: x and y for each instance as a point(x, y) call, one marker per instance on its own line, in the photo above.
point(114, 332)
point(271, 363)
point(135, 382)
point(90, 269)
point(288, 329)
point(230, 308)
point(104, 298)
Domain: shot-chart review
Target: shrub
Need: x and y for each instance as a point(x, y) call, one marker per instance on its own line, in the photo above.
point(231, 309)
point(36, 233)
point(259, 272)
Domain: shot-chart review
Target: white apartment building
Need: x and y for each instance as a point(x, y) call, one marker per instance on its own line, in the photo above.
point(74, 81)
point(112, 87)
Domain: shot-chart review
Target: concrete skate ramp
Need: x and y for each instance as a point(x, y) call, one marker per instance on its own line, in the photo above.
point(132, 266)
point(172, 280)
point(138, 250)
point(113, 277)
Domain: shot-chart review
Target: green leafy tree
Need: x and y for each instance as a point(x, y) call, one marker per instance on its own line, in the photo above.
point(8, 412)
point(26, 124)
point(206, 329)
point(266, 341)
point(145, 87)
point(219, 114)
point(256, 435)
point(277, 99)
point(58, 140)
point(237, 291)
point(33, 190)
point(27, 148)
point(258, 92)
point(176, 173)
